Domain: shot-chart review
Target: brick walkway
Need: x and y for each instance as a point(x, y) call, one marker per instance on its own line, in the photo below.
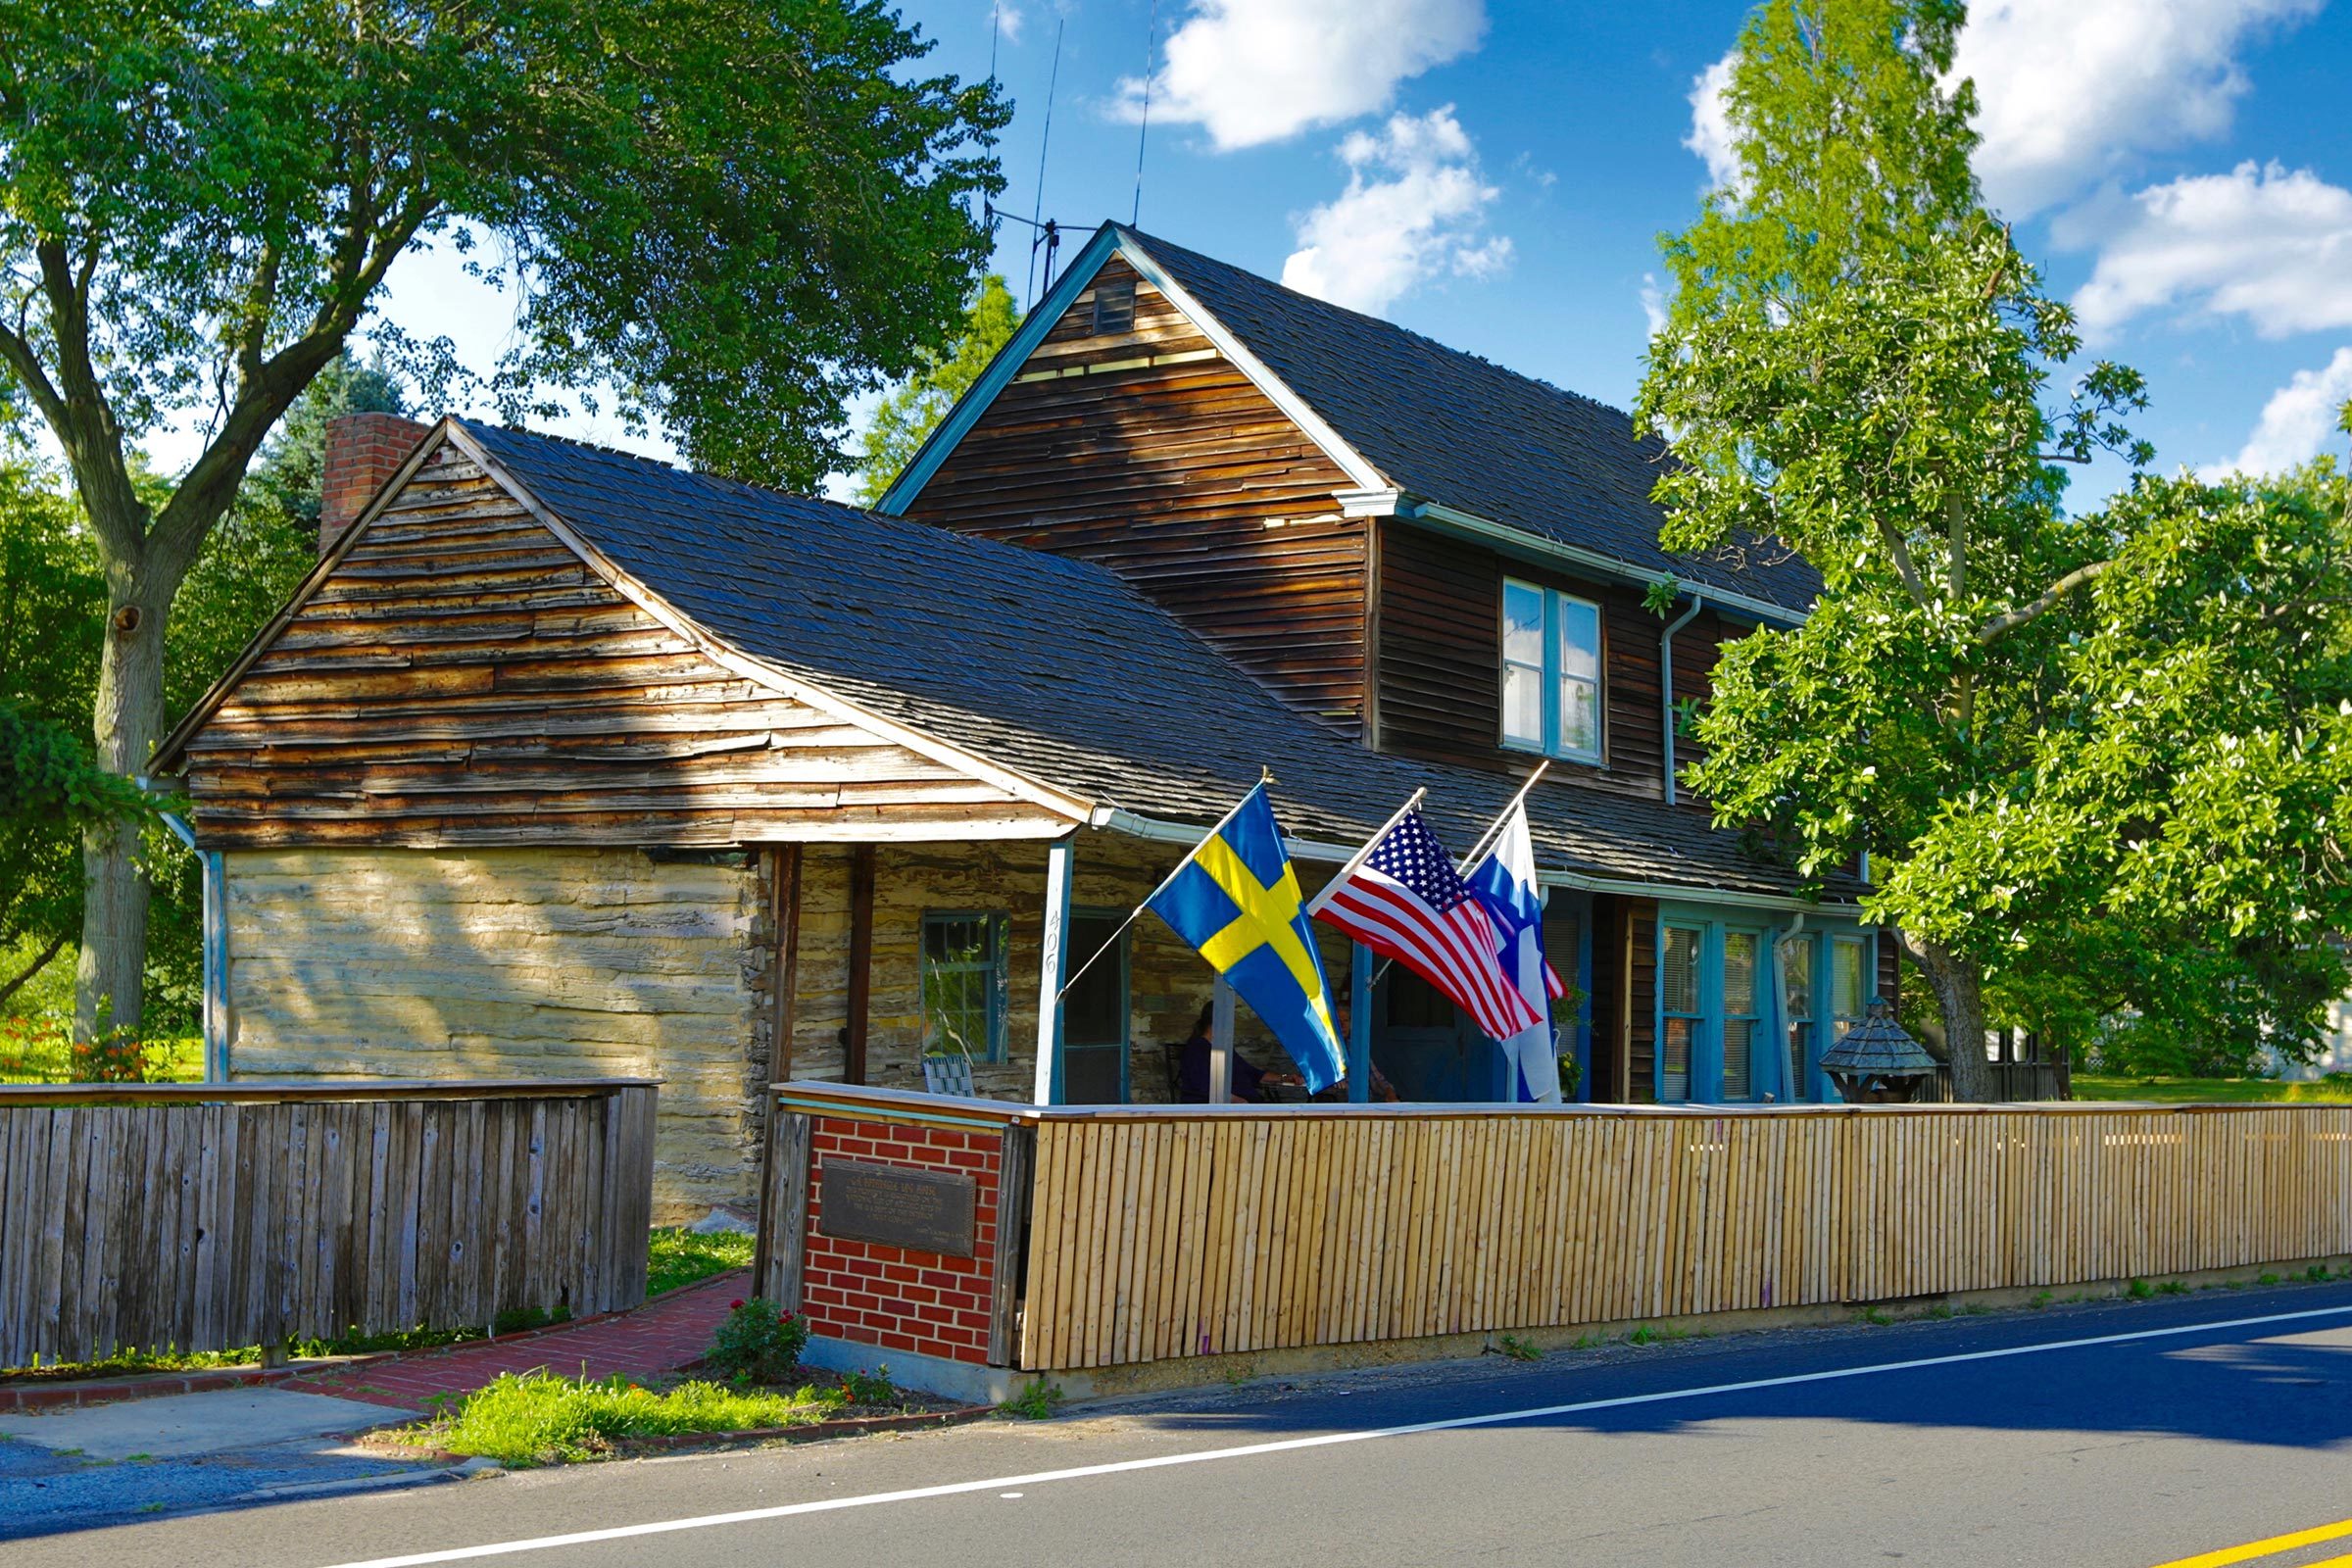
point(661, 1337)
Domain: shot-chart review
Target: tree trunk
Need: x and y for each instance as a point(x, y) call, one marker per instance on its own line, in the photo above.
point(1959, 987)
point(108, 979)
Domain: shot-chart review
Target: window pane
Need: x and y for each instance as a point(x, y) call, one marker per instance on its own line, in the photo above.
point(1738, 971)
point(1580, 717)
point(962, 1005)
point(1523, 705)
point(1796, 965)
point(1523, 623)
point(1739, 1035)
point(1846, 979)
point(1580, 638)
point(1678, 967)
point(1677, 1047)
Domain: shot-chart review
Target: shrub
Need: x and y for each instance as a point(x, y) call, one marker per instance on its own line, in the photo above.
point(868, 1387)
point(759, 1343)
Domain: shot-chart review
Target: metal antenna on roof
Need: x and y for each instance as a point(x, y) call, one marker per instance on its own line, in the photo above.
point(1144, 127)
point(1043, 141)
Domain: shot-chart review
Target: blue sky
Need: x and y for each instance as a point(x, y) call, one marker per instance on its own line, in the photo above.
point(1495, 175)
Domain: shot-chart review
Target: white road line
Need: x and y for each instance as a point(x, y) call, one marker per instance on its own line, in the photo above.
point(709, 1521)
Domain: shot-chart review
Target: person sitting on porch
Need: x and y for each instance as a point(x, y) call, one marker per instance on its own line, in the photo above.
point(1192, 1077)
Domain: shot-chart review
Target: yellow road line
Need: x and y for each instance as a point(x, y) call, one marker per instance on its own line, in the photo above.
point(2272, 1548)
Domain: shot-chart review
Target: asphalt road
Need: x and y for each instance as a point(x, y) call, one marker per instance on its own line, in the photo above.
point(2128, 1434)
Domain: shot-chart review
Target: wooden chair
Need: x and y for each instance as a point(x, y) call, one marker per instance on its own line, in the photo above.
point(946, 1073)
point(1171, 1061)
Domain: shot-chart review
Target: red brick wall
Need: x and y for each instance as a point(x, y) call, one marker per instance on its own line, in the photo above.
point(887, 1296)
point(362, 452)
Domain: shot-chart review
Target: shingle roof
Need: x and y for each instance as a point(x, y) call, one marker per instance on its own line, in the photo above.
point(1049, 667)
point(1448, 427)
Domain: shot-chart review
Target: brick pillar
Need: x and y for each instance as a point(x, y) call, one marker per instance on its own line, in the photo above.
point(363, 453)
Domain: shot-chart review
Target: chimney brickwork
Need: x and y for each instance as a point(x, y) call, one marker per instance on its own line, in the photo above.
point(363, 453)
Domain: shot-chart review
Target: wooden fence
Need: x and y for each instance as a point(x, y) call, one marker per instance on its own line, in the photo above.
point(1206, 1230)
point(208, 1216)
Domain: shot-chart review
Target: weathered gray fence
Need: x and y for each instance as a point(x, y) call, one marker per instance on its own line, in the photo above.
point(208, 1216)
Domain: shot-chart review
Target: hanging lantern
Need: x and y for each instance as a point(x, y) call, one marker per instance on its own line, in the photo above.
point(1876, 1061)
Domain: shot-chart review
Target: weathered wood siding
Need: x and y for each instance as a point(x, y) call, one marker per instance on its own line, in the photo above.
point(1150, 453)
point(512, 963)
point(1438, 662)
point(201, 1218)
point(463, 677)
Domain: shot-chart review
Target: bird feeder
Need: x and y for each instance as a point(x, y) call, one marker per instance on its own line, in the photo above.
point(1877, 1063)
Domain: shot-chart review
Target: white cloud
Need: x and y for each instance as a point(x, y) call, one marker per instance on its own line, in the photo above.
point(1250, 72)
point(1414, 209)
point(2296, 424)
point(1711, 123)
point(1008, 21)
point(2259, 242)
point(1653, 304)
point(2068, 89)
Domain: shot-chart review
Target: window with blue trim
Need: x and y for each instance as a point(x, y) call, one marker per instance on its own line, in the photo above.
point(1551, 696)
point(965, 984)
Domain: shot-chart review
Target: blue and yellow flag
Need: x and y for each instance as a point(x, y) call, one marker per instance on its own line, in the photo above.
point(1237, 900)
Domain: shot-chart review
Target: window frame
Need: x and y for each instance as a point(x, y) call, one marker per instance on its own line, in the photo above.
point(1554, 675)
point(995, 968)
point(1701, 930)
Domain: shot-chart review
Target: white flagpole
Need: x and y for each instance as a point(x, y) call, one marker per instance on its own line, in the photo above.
point(1134, 914)
point(1331, 887)
point(1487, 838)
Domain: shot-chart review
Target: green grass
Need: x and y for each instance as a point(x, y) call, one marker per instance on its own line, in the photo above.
point(2336, 1090)
point(680, 1257)
point(539, 1418)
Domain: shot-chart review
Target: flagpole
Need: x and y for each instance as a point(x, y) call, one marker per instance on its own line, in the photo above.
point(1496, 831)
point(1266, 778)
point(1323, 895)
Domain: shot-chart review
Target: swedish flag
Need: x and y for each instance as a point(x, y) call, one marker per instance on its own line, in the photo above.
point(1237, 900)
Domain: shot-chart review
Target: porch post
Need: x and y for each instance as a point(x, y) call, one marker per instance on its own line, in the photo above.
point(1053, 961)
point(1220, 1043)
point(1359, 1024)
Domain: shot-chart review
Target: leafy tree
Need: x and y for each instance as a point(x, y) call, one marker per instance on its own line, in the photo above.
point(906, 418)
point(737, 213)
point(48, 787)
point(2114, 736)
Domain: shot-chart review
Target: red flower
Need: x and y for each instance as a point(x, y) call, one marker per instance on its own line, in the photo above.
point(734, 1304)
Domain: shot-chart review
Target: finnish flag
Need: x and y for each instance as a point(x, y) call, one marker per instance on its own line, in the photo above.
point(1505, 884)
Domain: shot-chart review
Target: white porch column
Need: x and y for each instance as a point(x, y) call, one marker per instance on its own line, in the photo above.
point(1055, 959)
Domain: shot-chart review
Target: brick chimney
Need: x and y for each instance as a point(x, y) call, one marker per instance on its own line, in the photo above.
point(363, 453)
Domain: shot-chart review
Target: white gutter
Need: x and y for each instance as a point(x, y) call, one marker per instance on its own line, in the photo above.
point(1699, 601)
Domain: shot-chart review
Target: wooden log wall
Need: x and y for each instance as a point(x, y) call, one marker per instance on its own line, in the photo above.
point(205, 1218)
point(462, 678)
point(511, 963)
point(1160, 1235)
point(1438, 662)
point(1144, 450)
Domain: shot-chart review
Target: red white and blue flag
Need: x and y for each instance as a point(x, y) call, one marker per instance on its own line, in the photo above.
point(1404, 901)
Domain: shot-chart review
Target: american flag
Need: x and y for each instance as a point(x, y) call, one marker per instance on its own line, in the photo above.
point(1405, 901)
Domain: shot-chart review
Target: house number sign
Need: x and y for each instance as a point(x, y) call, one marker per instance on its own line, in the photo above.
point(927, 1211)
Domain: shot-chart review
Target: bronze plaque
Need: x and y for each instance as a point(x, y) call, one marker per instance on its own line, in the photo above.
point(924, 1210)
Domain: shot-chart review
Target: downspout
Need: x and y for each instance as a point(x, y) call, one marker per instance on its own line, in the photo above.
point(1666, 684)
point(214, 948)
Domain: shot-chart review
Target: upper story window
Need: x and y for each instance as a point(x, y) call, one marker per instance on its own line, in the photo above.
point(1550, 671)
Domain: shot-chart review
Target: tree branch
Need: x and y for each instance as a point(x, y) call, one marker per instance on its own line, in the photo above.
point(56, 945)
point(2009, 620)
point(1899, 552)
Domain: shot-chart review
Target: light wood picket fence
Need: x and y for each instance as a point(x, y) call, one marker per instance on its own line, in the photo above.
point(1206, 1230)
point(207, 1217)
